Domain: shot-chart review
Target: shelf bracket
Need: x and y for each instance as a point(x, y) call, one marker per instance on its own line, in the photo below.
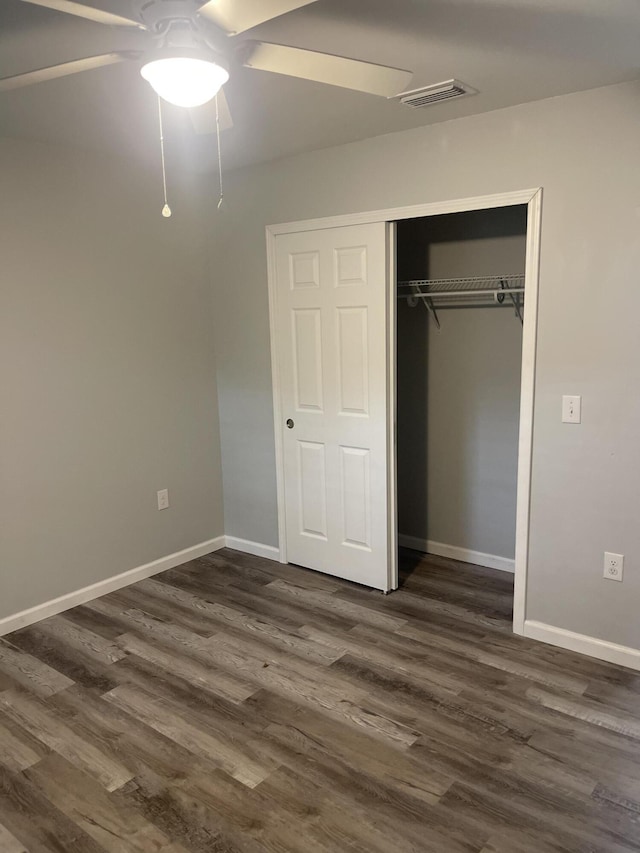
point(515, 298)
point(429, 306)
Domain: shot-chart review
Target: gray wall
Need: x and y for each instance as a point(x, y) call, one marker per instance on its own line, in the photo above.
point(459, 388)
point(582, 149)
point(107, 374)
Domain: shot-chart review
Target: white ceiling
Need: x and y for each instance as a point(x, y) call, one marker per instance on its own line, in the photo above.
point(510, 51)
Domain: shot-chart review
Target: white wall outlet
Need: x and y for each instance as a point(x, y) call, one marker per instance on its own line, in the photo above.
point(163, 499)
point(613, 566)
point(571, 409)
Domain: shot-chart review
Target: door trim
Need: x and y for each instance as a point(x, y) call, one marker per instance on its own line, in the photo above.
point(533, 199)
point(392, 408)
point(275, 383)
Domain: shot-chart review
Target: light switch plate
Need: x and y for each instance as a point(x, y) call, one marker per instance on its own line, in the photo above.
point(571, 409)
point(163, 499)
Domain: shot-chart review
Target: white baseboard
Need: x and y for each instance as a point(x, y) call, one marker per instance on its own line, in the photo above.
point(582, 643)
point(256, 548)
point(427, 546)
point(95, 590)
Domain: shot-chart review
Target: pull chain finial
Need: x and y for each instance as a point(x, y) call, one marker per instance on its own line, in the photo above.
point(166, 210)
point(221, 199)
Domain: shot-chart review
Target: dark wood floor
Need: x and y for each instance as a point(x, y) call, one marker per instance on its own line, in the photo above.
point(238, 705)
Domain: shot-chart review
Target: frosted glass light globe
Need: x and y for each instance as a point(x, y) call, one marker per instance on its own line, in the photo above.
point(183, 81)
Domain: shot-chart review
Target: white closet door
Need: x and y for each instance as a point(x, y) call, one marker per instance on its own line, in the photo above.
point(331, 349)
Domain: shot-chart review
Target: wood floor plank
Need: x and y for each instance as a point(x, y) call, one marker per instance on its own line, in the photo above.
point(495, 808)
point(363, 778)
point(9, 843)
point(323, 601)
point(333, 702)
point(160, 715)
point(518, 799)
point(134, 600)
point(147, 625)
point(332, 821)
point(114, 824)
point(151, 757)
point(598, 673)
point(517, 841)
point(29, 817)
point(264, 602)
point(385, 763)
point(206, 678)
point(160, 808)
point(192, 809)
point(16, 751)
point(610, 764)
point(81, 639)
point(590, 712)
point(230, 566)
point(552, 771)
point(94, 622)
point(235, 705)
point(259, 653)
point(274, 823)
point(30, 671)
point(361, 791)
point(48, 728)
point(508, 663)
point(422, 710)
point(225, 720)
point(410, 817)
point(614, 696)
point(75, 665)
point(233, 618)
point(376, 651)
point(448, 615)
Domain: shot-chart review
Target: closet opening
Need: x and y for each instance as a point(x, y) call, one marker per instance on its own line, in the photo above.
point(459, 324)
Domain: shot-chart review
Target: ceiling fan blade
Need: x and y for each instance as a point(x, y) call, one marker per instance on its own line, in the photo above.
point(236, 16)
point(40, 75)
point(326, 68)
point(203, 118)
point(88, 12)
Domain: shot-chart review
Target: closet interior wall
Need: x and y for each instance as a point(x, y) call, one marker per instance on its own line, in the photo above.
point(459, 388)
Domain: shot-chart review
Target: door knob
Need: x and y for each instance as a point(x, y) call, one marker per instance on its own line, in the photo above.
point(290, 423)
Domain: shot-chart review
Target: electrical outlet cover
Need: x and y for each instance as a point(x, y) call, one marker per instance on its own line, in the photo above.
point(613, 566)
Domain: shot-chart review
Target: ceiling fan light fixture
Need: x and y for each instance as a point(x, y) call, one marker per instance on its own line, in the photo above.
point(185, 81)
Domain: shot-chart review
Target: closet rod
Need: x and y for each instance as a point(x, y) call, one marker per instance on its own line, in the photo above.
point(433, 294)
point(468, 282)
point(444, 292)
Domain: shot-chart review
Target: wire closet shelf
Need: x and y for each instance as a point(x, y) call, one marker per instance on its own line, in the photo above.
point(507, 290)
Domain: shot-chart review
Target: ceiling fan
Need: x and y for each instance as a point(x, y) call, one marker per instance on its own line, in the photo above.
point(191, 52)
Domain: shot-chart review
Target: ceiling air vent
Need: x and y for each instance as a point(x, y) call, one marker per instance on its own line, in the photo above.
point(434, 94)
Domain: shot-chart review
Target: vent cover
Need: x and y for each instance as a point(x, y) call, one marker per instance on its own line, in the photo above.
point(434, 94)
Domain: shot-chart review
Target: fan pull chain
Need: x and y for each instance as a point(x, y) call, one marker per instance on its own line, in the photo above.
point(221, 199)
point(166, 210)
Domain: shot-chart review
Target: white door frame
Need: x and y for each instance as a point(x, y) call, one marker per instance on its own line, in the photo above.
point(533, 199)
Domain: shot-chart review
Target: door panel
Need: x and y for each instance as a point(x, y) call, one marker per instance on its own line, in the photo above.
point(353, 361)
point(307, 358)
point(356, 497)
point(331, 349)
point(312, 489)
point(350, 266)
point(304, 270)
